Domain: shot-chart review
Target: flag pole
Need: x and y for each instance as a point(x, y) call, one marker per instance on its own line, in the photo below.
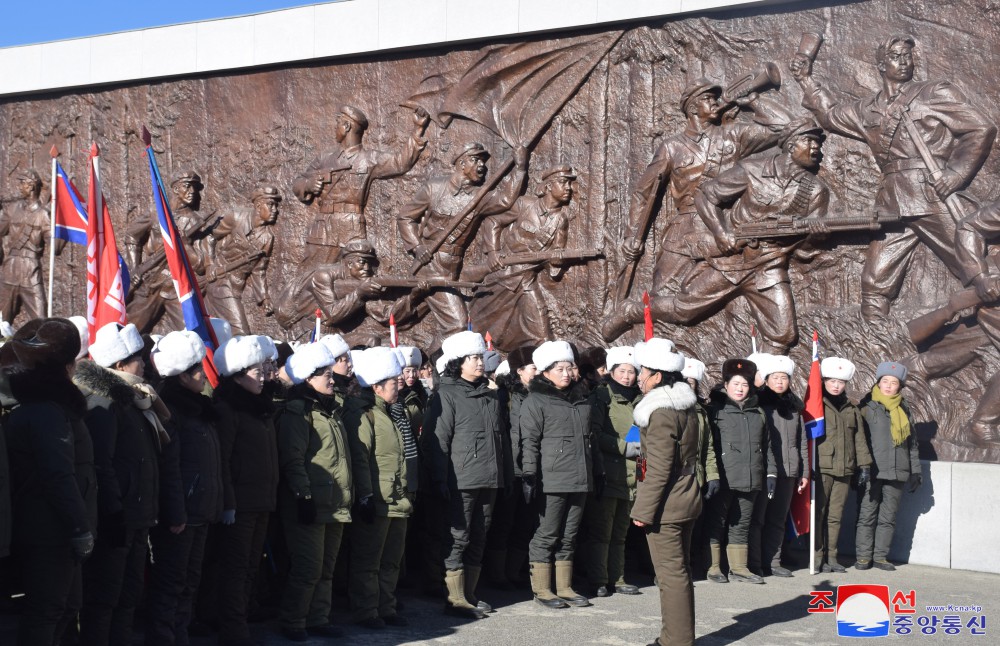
point(52, 230)
point(812, 482)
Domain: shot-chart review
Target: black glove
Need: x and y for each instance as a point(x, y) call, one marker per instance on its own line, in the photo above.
point(914, 482)
point(82, 545)
point(111, 529)
point(365, 509)
point(600, 482)
point(864, 476)
point(772, 486)
point(711, 488)
point(307, 510)
point(528, 487)
point(442, 491)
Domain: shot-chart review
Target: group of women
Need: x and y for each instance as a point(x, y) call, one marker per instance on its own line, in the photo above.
point(107, 470)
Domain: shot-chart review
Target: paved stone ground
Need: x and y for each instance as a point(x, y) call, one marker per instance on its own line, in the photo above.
point(775, 613)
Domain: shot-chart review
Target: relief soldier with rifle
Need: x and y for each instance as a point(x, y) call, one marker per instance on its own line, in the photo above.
point(241, 245)
point(348, 292)
point(152, 294)
point(928, 140)
point(510, 303)
point(441, 220)
point(761, 190)
point(709, 145)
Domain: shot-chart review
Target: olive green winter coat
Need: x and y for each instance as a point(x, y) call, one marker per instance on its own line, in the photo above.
point(315, 456)
point(611, 418)
point(379, 460)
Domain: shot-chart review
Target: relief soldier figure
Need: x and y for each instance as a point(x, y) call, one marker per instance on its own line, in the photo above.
point(432, 211)
point(771, 189)
point(347, 292)
point(510, 303)
point(708, 145)
point(152, 294)
point(24, 226)
point(338, 182)
point(241, 245)
point(904, 117)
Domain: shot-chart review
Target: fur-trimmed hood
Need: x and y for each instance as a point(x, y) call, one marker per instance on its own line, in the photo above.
point(186, 402)
point(241, 399)
point(576, 392)
point(101, 386)
point(676, 397)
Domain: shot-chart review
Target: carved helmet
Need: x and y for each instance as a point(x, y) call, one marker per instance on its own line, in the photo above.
point(698, 88)
point(266, 192)
point(474, 149)
point(359, 247)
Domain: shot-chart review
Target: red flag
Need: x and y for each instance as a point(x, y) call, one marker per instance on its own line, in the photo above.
point(647, 315)
point(489, 340)
point(813, 416)
point(105, 290)
point(393, 336)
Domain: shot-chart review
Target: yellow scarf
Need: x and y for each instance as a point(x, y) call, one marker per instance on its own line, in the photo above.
point(899, 422)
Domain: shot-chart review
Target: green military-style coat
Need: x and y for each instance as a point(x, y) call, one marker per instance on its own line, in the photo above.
point(379, 458)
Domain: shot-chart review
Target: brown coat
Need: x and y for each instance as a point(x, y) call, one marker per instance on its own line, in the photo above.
point(668, 424)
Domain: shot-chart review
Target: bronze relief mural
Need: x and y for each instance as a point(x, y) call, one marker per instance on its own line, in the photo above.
point(761, 172)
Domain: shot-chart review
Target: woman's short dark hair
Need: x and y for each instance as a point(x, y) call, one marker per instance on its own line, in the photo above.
point(668, 378)
point(453, 368)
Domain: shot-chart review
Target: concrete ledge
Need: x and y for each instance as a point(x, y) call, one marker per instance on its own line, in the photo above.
point(976, 504)
point(347, 27)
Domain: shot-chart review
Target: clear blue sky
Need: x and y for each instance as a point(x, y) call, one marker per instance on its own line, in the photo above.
point(27, 22)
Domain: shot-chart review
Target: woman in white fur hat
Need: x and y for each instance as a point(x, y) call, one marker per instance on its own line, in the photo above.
point(125, 418)
point(249, 477)
point(783, 413)
point(561, 464)
point(606, 519)
point(468, 459)
point(841, 452)
point(315, 494)
point(668, 500)
point(381, 437)
point(190, 487)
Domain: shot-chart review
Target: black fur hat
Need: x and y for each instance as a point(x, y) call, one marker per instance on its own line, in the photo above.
point(45, 343)
point(742, 367)
point(520, 357)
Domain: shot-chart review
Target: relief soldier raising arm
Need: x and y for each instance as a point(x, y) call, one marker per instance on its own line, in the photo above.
point(956, 135)
point(338, 182)
point(24, 227)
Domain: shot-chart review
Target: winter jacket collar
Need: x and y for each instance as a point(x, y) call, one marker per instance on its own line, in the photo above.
point(185, 402)
point(326, 403)
point(787, 403)
point(31, 386)
point(475, 388)
point(676, 397)
point(625, 394)
point(839, 402)
point(101, 386)
point(718, 398)
point(574, 393)
point(243, 400)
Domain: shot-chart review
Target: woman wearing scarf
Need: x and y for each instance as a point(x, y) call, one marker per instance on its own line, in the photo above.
point(606, 519)
point(888, 425)
point(669, 499)
point(125, 418)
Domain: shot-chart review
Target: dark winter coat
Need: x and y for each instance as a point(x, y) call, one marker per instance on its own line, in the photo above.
point(7, 402)
point(126, 447)
point(668, 430)
point(52, 476)
point(890, 462)
point(515, 393)
point(249, 448)
point(745, 456)
point(844, 447)
point(465, 440)
point(194, 492)
point(612, 406)
point(378, 455)
point(787, 432)
point(558, 443)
